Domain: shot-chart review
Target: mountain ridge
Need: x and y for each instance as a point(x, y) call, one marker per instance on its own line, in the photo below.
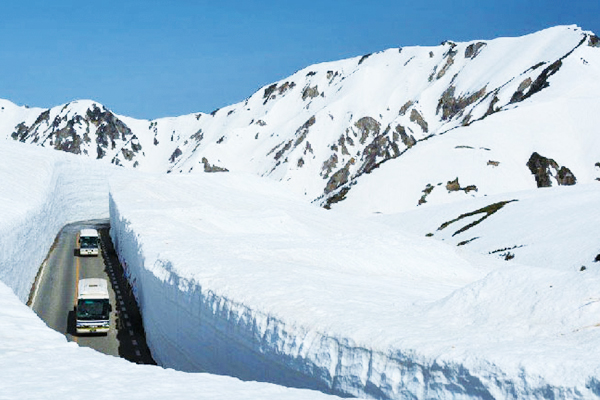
point(325, 128)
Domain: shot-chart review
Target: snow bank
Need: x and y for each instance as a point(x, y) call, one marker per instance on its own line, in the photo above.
point(257, 285)
point(40, 192)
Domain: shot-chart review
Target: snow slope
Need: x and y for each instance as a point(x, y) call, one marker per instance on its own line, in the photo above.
point(40, 192)
point(442, 111)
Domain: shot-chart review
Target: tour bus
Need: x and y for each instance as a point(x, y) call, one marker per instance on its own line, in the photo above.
point(88, 242)
point(93, 306)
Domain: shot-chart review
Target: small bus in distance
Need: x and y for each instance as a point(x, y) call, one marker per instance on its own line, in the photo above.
point(88, 242)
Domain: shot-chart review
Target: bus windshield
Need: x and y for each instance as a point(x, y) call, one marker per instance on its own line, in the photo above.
point(93, 309)
point(88, 242)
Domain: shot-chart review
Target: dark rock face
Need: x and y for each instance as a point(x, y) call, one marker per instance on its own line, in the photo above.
point(473, 49)
point(541, 82)
point(310, 92)
point(542, 168)
point(454, 186)
point(212, 168)
point(175, 155)
point(594, 41)
point(109, 128)
point(451, 106)
point(339, 178)
point(271, 92)
point(408, 140)
point(367, 126)
point(416, 117)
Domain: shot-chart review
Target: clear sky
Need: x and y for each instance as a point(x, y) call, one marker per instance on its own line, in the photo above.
point(157, 58)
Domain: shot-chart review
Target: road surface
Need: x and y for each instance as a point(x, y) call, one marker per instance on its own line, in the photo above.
point(54, 294)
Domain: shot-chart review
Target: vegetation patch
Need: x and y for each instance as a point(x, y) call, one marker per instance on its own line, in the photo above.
point(467, 241)
point(486, 211)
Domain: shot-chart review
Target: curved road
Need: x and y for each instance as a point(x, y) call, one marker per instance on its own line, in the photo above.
point(53, 296)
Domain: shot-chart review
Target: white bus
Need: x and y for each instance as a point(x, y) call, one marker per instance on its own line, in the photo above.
point(93, 306)
point(89, 243)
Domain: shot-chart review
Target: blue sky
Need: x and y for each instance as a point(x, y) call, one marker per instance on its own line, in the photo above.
point(151, 59)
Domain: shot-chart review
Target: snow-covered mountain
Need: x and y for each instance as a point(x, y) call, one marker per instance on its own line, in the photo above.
point(458, 120)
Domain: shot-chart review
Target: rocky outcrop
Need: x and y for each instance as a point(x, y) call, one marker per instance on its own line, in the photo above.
point(546, 169)
point(212, 168)
point(451, 106)
point(473, 49)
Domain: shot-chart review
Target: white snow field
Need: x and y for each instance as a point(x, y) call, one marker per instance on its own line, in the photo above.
point(41, 191)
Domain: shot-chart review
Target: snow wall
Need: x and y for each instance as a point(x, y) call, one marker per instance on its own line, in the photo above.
point(191, 328)
point(53, 192)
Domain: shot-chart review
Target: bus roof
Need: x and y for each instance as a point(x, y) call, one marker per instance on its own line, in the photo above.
point(92, 288)
point(88, 232)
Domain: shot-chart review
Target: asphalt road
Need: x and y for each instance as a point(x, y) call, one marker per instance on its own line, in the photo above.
point(53, 296)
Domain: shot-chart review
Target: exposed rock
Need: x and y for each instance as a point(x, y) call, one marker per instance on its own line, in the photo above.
point(212, 168)
point(492, 107)
point(378, 151)
point(542, 167)
point(363, 58)
point(329, 165)
point(565, 177)
point(473, 49)
point(20, 132)
point(408, 140)
point(449, 63)
point(66, 139)
point(493, 163)
point(269, 90)
point(367, 126)
point(311, 92)
point(518, 95)
point(416, 117)
point(593, 41)
point(175, 154)
point(451, 106)
point(426, 192)
point(405, 107)
point(541, 82)
point(339, 178)
point(301, 134)
point(454, 186)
